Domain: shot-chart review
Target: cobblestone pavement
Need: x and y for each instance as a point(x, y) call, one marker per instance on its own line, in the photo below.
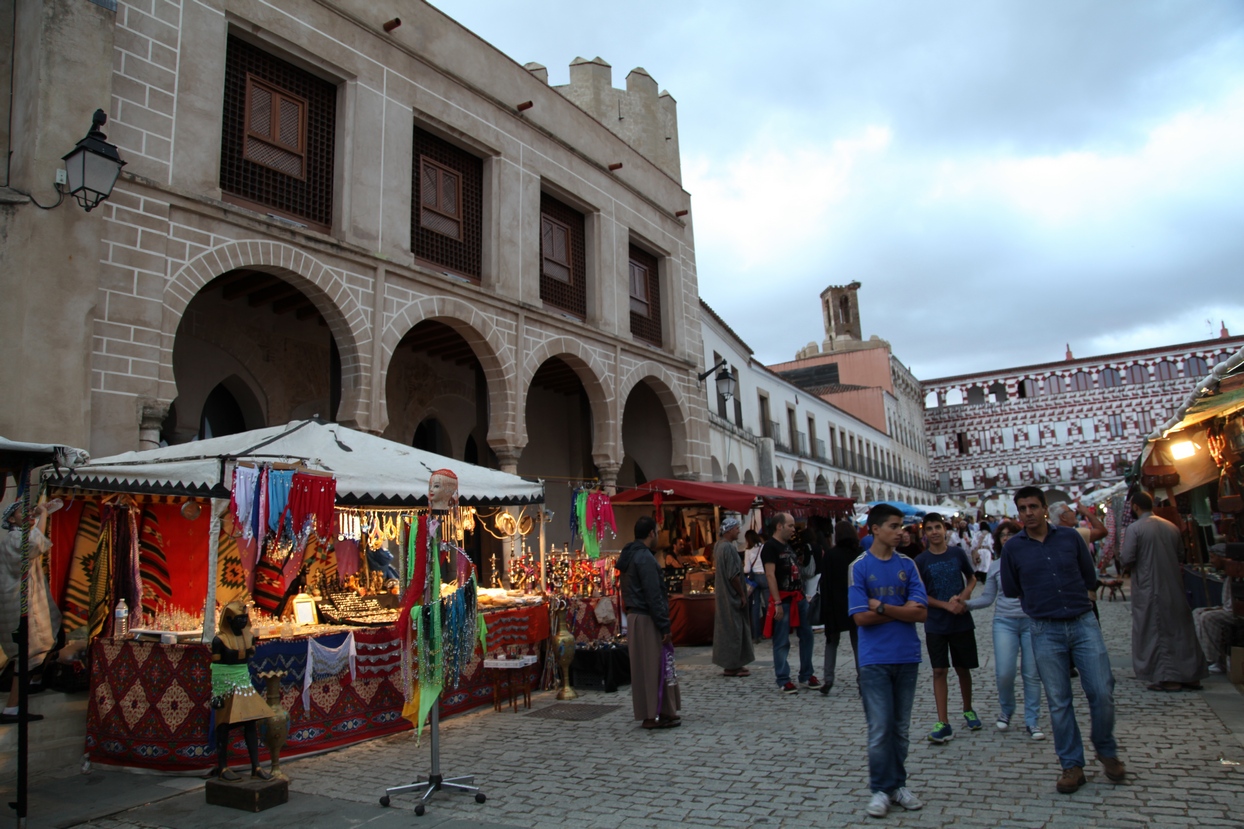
point(747, 756)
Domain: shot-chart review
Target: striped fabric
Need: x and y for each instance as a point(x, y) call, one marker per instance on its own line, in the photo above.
point(153, 565)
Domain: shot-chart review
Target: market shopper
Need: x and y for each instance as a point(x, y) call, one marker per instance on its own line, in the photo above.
point(1050, 571)
point(42, 616)
point(887, 600)
point(758, 585)
point(1012, 643)
point(788, 607)
point(949, 632)
point(834, 603)
point(655, 703)
point(732, 640)
point(1166, 655)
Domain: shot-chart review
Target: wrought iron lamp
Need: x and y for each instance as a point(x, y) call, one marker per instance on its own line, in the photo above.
point(93, 166)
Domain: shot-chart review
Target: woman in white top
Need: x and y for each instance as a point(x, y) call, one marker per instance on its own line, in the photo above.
point(754, 573)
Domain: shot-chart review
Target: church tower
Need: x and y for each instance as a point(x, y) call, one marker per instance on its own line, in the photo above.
point(840, 306)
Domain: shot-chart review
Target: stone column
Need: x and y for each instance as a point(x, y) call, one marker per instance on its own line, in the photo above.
point(150, 420)
point(607, 471)
point(507, 457)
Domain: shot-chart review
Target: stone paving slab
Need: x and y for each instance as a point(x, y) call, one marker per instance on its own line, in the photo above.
point(748, 756)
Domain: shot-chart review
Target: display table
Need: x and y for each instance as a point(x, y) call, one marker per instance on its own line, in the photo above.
point(583, 624)
point(691, 618)
point(149, 701)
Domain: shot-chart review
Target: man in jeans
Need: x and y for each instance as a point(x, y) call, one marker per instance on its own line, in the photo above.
point(1050, 571)
point(887, 600)
point(787, 605)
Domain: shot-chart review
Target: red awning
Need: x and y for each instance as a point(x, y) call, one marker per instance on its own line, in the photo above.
point(738, 497)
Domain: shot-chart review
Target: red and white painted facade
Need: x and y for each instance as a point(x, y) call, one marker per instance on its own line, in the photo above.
point(1072, 426)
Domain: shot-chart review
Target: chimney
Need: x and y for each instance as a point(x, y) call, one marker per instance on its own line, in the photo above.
point(1224, 333)
point(1069, 355)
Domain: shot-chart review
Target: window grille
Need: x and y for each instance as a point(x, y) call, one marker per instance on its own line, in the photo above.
point(447, 190)
point(277, 136)
point(563, 265)
point(645, 296)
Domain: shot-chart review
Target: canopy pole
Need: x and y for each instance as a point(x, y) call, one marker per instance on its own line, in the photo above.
point(219, 505)
point(544, 581)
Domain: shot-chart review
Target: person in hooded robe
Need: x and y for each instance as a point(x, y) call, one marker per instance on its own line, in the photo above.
point(234, 699)
point(732, 639)
point(43, 619)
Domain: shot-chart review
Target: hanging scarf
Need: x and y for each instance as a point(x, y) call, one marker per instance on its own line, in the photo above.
point(591, 542)
point(242, 498)
point(324, 662)
point(259, 515)
point(279, 482)
point(313, 495)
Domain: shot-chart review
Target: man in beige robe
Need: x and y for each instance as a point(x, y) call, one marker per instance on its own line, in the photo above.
point(732, 639)
point(1165, 652)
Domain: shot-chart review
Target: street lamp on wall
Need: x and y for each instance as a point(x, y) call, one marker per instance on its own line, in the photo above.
point(93, 166)
point(724, 379)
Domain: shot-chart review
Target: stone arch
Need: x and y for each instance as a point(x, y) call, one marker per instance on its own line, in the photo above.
point(799, 481)
point(718, 476)
point(869, 495)
point(732, 474)
point(748, 478)
point(487, 342)
point(324, 286)
point(781, 478)
point(606, 414)
point(840, 489)
point(855, 492)
point(669, 392)
point(822, 485)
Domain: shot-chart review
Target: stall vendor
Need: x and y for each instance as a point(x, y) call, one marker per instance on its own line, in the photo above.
point(43, 618)
point(234, 700)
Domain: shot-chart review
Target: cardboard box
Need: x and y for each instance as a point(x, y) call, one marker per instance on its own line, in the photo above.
point(1237, 665)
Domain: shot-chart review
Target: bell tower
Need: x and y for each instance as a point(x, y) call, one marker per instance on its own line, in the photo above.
point(840, 306)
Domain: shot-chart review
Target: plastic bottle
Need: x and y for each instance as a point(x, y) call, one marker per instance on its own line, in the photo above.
point(121, 621)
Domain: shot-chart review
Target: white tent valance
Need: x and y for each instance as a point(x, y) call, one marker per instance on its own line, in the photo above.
point(369, 470)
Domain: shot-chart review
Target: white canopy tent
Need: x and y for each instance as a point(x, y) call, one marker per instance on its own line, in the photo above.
point(369, 470)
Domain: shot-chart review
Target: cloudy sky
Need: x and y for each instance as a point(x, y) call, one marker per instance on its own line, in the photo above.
point(1002, 177)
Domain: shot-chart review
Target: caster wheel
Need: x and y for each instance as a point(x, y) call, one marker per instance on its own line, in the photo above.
point(419, 810)
point(384, 801)
point(479, 797)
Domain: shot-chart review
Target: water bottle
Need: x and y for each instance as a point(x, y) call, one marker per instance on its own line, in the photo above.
point(121, 621)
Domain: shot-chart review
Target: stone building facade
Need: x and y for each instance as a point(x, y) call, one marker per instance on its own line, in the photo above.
point(1070, 427)
point(401, 230)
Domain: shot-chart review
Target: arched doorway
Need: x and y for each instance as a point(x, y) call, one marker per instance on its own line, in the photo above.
point(781, 478)
point(718, 477)
point(251, 350)
point(437, 394)
point(840, 489)
point(559, 439)
point(732, 474)
point(647, 442)
point(822, 485)
point(799, 481)
point(855, 492)
point(749, 478)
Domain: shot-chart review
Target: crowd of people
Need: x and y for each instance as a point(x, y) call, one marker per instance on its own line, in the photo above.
point(878, 582)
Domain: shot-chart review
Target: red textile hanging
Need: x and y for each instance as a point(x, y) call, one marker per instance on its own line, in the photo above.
point(313, 495)
point(62, 532)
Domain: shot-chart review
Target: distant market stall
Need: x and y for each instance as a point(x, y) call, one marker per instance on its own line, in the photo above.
point(179, 531)
point(689, 514)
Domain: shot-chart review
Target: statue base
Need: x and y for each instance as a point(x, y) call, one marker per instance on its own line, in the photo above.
point(248, 795)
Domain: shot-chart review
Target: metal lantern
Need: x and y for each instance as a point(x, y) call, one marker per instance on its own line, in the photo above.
point(93, 166)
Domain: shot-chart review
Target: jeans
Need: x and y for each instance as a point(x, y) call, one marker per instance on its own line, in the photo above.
point(832, 639)
point(781, 643)
point(888, 692)
point(1011, 635)
point(758, 602)
point(1056, 643)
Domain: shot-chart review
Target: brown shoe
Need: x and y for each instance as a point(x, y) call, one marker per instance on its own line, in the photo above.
point(1070, 780)
point(1115, 771)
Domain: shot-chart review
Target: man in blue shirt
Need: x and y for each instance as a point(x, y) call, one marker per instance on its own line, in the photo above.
point(1050, 571)
point(886, 599)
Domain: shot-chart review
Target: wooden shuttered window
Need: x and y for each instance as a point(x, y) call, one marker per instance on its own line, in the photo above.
point(440, 198)
point(446, 211)
point(276, 128)
point(645, 288)
point(277, 138)
point(563, 262)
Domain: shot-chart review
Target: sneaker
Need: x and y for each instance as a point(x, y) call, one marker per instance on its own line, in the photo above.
point(1036, 733)
point(1070, 780)
point(812, 682)
point(941, 733)
point(906, 799)
point(879, 806)
point(974, 722)
point(1215, 668)
point(789, 688)
point(1004, 722)
point(1115, 771)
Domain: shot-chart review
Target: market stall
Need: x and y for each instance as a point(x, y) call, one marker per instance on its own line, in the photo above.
point(173, 533)
point(688, 514)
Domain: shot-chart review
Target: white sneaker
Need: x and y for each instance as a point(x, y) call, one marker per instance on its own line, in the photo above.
point(1036, 733)
point(1215, 668)
point(879, 806)
point(1004, 722)
point(907, 800)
